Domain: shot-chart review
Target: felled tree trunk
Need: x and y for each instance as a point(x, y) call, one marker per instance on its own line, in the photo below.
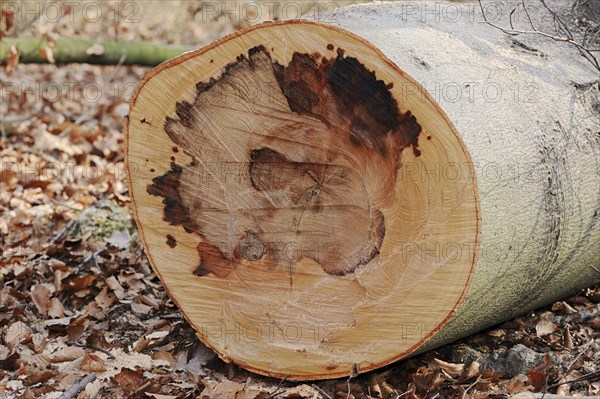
point(316, 210)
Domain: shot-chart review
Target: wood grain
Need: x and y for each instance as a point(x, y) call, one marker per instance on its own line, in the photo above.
point(277, 185)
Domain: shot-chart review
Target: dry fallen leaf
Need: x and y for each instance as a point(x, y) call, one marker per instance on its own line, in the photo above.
point(538, 375)
point(49, 37)
point(545, 327)
point(92, 363)
point(82, 282)
point(140, 308)
point(563, 389)
point(56, 309)
point(4, 352)
point(48, 54)
point(524, 395)
point(225, 389)
point(12, 60)
point(40, 295)
point(16, 333)
point(471, 371)
point(164, 355)
point(516, 384)
point(452, 369)
point(95, 49)
point(105, 299)
point(159, 396)
point(67, 354)
point(129, 380)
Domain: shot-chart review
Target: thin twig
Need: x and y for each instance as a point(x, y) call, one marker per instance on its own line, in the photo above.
point(587, 52)
point(348, 395)
point(63, 232)
point(106, 352)
point(471, 386)
point(277, 389)
point(78, 386)
point(322, 392)
point(587, 377)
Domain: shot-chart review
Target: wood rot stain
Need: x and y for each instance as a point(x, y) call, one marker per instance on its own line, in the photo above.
point(354, 108)
point(167, 186)
point(171, 241)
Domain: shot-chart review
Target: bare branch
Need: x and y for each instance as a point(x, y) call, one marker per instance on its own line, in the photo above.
point(582, 47)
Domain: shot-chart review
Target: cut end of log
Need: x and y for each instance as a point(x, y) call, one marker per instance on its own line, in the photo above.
point(280, 194)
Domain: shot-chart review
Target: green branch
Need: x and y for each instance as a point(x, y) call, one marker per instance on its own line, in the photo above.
point(68, 50)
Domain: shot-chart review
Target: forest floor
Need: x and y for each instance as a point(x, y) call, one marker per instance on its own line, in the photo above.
point(79, 299)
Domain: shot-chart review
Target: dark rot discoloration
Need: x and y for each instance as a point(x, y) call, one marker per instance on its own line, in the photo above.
point(167, 186)
point(171, 241)
point(317, 195)
point(213, 261)
point(343, 86)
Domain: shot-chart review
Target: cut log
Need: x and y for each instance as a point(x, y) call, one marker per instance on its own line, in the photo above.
point(314, 212)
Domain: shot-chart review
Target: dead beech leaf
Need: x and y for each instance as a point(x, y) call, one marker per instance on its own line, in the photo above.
point(56, 309)
point(544, 327)
point(115, 286)
point(516, 384)
point(165, 356)
point(38, 376)
point(567, 340)
point(4, 352)
point(77, 327)
point(39, 342)
point(225, 389)
point(95, 49)
point(471, 371)
point(82, 282)
point(40, 295)
point(48, 54)
point(564, 307)
point(67, 354)
point(104, 298)
point(16, 333)
point(563, 389)
point(254, 393)
point(94, 387)
point(12, 60)
point(92, 363)
point(128, 380)
point(426, 380)
point(140, 308)
point(49, 37)
point(452, 369)
point(538, 375)
point(524, 395)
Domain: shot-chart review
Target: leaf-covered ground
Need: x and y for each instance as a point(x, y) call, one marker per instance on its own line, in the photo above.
point(78, 298)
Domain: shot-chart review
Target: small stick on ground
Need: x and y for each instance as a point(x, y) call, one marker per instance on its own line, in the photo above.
point(321, 391)
point(77, 387)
